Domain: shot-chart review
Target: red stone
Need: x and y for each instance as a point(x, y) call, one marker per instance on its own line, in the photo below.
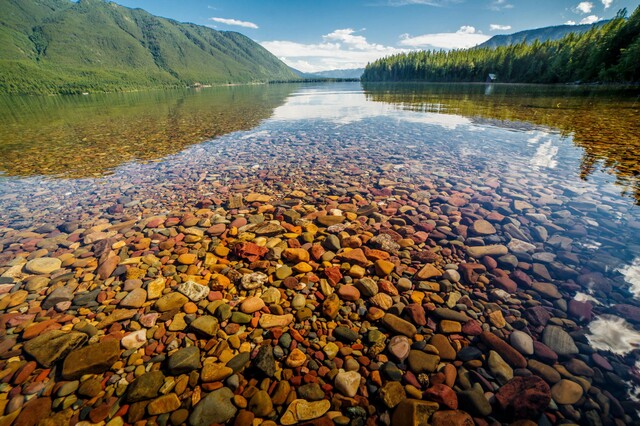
point(355, 256)
point(333, 274)
point(416, 313)
point(451, 418)
point(470, 271)
point(472, 328)
point(582, 311)
point(508, 353)
point(505, 283)
point(33, 411)
point(443, 395)
point(524, 397)
point(521, 278)
point(23, 373)
point(250, 251)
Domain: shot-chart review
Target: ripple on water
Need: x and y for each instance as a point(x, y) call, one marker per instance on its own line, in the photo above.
point(614, 334)
point(631, 274)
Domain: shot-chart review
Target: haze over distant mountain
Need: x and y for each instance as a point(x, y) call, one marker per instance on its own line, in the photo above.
point(60, 46)
point(344, 73)
point(542, 34)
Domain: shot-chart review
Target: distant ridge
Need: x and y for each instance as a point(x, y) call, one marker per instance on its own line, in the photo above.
point(349, 73)
point(541, 34)
point(60, 46)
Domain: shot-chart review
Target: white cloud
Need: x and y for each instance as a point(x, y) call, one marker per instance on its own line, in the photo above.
point(340, 49)
point(584, 7)
point(607, 3)
point(498, 27)
point(570, 22)
point(465, 37)
point(590, 19)
point(236, 22)
point(498, 5)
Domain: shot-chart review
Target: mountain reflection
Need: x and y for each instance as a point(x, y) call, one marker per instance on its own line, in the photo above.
point(90, 136)
point(603, 121)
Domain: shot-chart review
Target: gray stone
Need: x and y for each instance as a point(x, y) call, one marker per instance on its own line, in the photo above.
point(264, 360)
point(145, 387)
point(184, 360)
point(559, 341)
point(60, 294)
point(522, 342)
point(213, 408)
point(53, 345)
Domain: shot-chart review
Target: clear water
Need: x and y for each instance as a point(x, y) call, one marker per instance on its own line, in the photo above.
point(573, 153)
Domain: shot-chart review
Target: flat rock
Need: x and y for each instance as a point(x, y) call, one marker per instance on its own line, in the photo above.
point(566, 392)
point(58, 295)
point(134, 299)
point(251, 304)
point(559, 341)
point(398, 325)
point(171, 301)
point(491, 250)
point(422, 362)
point(43, 265)
point(216, 407)
point(53, 345)
point(205, 324)
point(92, 359)
point(184, 360)
point(522, 342)
point(482, 227)
point(116, 316)
point(270, 320)
point(301, 410)
point(145, 387)
point(445, 349)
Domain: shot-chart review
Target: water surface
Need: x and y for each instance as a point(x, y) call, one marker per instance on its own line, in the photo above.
point(563, 163)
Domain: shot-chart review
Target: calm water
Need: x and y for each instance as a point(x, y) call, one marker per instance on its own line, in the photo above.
point(572, 153)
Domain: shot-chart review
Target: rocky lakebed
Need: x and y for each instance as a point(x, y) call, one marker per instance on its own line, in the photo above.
point(288, 278)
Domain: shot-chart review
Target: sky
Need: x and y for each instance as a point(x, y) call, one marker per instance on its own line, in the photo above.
point(313, 35)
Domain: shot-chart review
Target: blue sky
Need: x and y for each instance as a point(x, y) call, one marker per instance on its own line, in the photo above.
point(313, 35)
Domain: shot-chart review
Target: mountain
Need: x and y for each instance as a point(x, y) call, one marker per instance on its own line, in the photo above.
point(543, 34)
point(303, 74)
point(60, 46)
point(347, 73)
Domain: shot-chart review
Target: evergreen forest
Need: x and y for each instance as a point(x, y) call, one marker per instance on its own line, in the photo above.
point(609, 53)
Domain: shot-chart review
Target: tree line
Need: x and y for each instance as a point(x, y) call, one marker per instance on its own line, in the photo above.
point(609, 53)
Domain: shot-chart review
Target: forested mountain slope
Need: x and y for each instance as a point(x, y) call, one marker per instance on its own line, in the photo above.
point(603, 54)
point(59, 46)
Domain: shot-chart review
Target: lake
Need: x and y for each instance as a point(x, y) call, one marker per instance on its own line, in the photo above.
point(506, 212)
